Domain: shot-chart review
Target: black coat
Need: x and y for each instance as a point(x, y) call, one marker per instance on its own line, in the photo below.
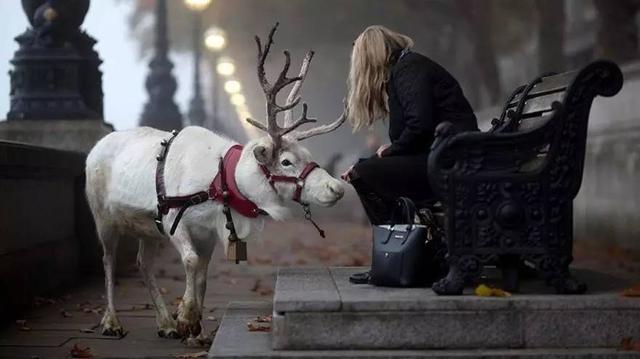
point(423, 94)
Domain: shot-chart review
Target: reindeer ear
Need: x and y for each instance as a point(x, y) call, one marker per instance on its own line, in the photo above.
point(262, 154)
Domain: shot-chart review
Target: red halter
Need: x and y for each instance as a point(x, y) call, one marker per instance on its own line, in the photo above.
point(298, 181)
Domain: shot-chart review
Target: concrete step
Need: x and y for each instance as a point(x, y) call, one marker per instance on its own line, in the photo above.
point(318, 309)
point(234, 341)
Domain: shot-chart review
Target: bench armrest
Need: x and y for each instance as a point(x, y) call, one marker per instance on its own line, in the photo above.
point(464, 154)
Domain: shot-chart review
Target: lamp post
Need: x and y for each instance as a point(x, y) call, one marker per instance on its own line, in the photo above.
point(161, 111)
point(215, 40)
point(197, 113)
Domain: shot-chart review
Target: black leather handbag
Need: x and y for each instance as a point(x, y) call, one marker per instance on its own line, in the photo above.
point(405, 254)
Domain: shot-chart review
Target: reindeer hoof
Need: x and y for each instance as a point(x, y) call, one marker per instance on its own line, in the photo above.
point(168, 333)
point(186, 329)
point(114, 331)
point(199, 341)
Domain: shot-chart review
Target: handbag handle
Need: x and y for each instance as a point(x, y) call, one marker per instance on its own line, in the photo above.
point(408, 207)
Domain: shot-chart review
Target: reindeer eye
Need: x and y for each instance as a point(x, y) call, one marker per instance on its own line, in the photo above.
point(286, 163)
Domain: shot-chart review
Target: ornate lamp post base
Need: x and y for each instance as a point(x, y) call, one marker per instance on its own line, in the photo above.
point(55, 73)
point(56, 86)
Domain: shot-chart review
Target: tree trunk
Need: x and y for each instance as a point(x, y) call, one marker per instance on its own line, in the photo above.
point(478, 17)
point(551, 34)
point(618, 31)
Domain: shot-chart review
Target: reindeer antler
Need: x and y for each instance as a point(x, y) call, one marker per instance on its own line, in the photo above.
point(271, 91)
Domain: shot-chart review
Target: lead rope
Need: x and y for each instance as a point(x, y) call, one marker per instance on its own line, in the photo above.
point(307, 216)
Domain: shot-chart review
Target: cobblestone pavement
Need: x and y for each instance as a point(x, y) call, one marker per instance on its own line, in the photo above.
point(56, 325)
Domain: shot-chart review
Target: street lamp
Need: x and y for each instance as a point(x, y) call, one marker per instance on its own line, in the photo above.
point(225, 66)
point(238, 100)
point(215, 40)
point(161, 111)
point(197, 114)
point(232, 87)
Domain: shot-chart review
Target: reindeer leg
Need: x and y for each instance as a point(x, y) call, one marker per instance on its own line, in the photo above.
point(147, 251)
point(201, 288)
point(189, 312)
point(108, 237)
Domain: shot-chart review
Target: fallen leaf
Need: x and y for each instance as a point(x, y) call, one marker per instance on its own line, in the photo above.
point(258, 327)
point(77, 352)
point(163, 290)
point(264, 319)
point(632, 292)
point(65, 314)
point(628, 343)
point(87, 330)
point(211, 318)
point(265, 291)
point(485, 291)
point(202, 354)
point(24, 328)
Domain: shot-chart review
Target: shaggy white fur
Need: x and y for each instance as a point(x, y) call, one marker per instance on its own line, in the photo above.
point(120, 188)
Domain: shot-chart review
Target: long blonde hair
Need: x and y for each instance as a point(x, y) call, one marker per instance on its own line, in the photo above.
point(369, 73)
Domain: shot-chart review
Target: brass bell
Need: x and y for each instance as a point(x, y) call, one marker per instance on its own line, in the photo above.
point(237, 251)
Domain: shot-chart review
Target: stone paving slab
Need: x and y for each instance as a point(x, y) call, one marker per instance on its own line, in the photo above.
point(369, 317)
point(234, 341)
point(603, 294)
point(305, 289)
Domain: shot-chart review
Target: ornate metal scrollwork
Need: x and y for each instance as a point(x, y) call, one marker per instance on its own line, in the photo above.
point(509, 192)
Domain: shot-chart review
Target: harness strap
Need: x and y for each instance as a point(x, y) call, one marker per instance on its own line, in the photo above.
point(298, 181)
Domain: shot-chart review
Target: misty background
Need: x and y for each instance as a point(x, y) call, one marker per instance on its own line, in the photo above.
point(490, 46)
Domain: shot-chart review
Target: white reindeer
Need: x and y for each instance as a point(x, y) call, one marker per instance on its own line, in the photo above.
point(121, 191)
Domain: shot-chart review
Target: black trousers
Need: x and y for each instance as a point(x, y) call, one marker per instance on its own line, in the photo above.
point(379, 181)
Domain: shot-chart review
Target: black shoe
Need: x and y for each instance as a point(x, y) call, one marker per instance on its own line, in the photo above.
point(359, 278)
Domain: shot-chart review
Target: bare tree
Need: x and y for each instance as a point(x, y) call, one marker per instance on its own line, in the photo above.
point(478, 18)
point(618, 31)
point(550, 35)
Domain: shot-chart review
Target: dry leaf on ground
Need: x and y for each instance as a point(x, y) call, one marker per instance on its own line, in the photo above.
point(485, 291)
point(629, 344)
point(192, 355)
point(264, 319)
point(163, 290)
point(258, 327)
point(87, 330)
point(632, 292)
point(77, 352)
point(65, 314)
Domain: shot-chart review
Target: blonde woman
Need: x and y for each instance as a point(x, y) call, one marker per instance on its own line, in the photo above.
point(388, 80)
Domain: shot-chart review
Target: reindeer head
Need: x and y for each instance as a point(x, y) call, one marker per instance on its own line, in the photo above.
point(286, 163)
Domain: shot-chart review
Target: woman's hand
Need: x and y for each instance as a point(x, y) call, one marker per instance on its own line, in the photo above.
point(382, 148)
point(345, 176)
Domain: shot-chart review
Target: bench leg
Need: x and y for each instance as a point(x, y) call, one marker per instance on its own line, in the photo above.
point(555, 271)
point(461, 270)
point(510, 275)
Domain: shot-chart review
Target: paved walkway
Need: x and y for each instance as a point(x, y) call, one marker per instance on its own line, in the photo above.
point(56, 325)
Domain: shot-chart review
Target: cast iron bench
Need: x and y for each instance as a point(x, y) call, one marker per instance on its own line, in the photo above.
point(508, 193)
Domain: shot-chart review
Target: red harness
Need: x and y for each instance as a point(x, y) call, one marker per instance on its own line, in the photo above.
point(225, 179)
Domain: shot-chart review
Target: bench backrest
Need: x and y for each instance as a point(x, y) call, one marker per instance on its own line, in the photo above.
point(531, 106)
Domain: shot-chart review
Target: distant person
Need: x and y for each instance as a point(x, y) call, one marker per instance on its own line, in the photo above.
point(388, 80)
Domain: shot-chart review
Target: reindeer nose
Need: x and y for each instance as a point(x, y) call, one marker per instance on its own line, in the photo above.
point(337, 189)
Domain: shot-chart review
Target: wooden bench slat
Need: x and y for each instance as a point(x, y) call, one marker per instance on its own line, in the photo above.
point(542, 103)
point(548, 85)
point(531, 123)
